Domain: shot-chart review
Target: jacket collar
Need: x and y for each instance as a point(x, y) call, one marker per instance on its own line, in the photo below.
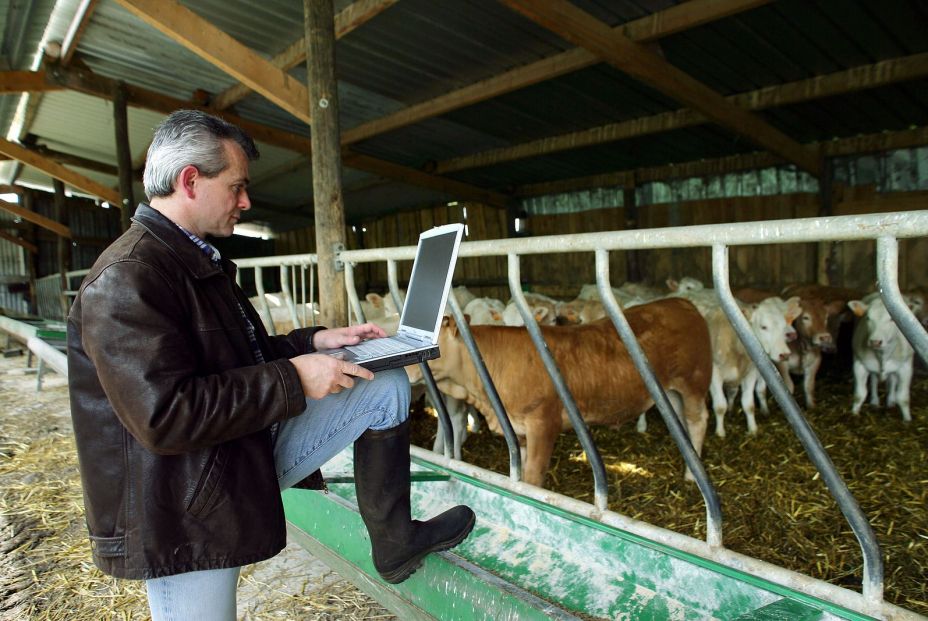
point(176, 241)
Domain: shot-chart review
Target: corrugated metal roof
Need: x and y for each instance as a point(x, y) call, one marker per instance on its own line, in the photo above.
point(416, 50)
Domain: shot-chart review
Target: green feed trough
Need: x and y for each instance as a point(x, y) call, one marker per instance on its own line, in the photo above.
point(538, 555)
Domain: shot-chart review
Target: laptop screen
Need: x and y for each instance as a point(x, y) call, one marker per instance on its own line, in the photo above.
point(427, 283)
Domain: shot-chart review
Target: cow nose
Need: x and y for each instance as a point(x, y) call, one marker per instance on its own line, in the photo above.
point(784, 356)
point(791, 336)
point(876, 343)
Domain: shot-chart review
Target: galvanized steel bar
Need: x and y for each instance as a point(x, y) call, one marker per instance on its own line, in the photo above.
point(262, 301)
point(873, 562)
point(903, 224)
point(442, 411)
point(512, 441)
point(394, 285)
point(677, 431)
point(600, 486)
point(353, 300)
point(887, 269)
point(288, 296)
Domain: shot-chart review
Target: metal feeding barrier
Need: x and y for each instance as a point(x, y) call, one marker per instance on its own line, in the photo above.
point(794, 588)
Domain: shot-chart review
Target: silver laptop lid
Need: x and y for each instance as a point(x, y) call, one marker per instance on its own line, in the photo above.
point(430, 282)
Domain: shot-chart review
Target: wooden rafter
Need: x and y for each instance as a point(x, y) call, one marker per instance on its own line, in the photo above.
point(57, 171)
point(25, 82)
point(645, 30)
point(841, 82)
point(30, 216)
point(351, 17)
point(76, 29)
point(857, 145)
point(582, 29)
point(215, 46)
point(32, 248)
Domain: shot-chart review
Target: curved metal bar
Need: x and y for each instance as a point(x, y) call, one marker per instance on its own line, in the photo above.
point(312, 292)
point(873, 562)
point(394, 284)
point(677, 431)
point(887, 269)
point(353, 301)
point(288, 296)
point(600, 487)
point(435, 395)
point(262, 300)
point(512, 441)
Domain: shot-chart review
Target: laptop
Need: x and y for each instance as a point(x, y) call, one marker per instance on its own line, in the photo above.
point(416, 339)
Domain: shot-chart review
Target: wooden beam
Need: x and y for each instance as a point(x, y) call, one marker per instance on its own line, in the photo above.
point(209, 42)
point(57, 171)
point(645, 30)
point(76, 29)
point(636, 60)
point(349, 18)
point(25, 82)
point(856, 145)
point(40, 220)
point(69, 159)
point(123, 156)
point(421, 179)
point(32, 248)
point(841, 82)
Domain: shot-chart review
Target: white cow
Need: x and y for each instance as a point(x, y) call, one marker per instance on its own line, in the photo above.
point(544, 310)
point(485, 311)
point(881, 353)
point(732, 368)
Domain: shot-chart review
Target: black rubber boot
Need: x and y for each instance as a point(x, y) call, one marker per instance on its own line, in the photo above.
point(399, 543)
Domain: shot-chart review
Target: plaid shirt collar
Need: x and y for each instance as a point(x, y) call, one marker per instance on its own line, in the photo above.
point(206, 247)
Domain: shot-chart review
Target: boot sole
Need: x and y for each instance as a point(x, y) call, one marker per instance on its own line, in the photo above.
point(409, 567)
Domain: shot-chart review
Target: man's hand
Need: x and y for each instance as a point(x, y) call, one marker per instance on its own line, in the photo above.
point(352, 335)
point(323, 375)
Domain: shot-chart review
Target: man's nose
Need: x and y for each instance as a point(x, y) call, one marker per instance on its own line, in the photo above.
point(244, 202)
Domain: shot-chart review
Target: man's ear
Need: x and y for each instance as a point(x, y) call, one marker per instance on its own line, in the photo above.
point(185, 181)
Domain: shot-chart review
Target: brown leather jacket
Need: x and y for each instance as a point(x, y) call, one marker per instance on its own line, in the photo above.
point(171, 414)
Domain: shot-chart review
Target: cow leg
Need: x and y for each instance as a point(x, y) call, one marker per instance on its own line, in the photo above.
point(902, 391)
point(457, 412)
point(719, 402)
point(747, 399)
point(783, 368)
point(861, 376)
point(642, 425)
point(874, 381)
point(760, 391)
point(541, 431)
point(696, 415)
point(811, 363)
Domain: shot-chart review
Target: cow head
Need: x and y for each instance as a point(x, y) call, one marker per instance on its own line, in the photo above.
point(772, 321)
point(812, 323)
point(882, 332)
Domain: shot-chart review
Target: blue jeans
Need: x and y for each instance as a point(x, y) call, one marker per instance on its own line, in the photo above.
point(302, 445)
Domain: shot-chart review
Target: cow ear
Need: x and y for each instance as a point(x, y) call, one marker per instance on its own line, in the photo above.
point(835, 306)
point(858, 307)
point(375, 299)
point(672, 284)
point(793, 309)
point(540, 314)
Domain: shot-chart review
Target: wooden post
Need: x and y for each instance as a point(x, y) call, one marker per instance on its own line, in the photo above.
point(632, 257)
point(64, 245)
point(123, 154)
point(326, 157)
point(826, 252)
point(28, 200)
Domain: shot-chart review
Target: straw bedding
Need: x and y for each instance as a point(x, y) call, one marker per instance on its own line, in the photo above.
point(774, 503)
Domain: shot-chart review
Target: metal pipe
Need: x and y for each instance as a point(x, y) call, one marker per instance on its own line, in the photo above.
point(600, 486)
point(904, 224)
point(262, 301)
point(392, 280)
point(288, 296)
point(353, 300)
point(674, 426)
point(887, 269)
point(873, 562)
point(512, 441)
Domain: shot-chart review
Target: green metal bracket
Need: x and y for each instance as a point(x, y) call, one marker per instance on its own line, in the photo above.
point(414, 477)
point(783, 610)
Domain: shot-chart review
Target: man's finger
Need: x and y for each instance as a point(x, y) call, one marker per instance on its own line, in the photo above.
point(349, 368)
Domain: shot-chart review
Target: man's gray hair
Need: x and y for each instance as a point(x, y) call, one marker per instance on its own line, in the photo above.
point(190, 138)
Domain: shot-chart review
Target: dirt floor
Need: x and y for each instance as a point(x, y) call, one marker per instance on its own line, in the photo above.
point(45, 568)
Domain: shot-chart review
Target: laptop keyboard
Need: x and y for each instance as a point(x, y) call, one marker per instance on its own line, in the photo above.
point(378, 347)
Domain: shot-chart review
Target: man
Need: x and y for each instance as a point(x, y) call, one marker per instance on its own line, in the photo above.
point(189, 419)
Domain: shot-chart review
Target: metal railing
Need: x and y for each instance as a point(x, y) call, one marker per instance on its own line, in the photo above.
point(886, 229)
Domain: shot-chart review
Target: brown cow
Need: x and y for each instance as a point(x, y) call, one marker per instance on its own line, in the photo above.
point(597, 368)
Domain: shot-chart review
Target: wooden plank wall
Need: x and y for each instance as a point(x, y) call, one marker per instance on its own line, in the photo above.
point(561, 275)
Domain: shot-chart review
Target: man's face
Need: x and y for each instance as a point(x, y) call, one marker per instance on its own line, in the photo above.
point(222, 199)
